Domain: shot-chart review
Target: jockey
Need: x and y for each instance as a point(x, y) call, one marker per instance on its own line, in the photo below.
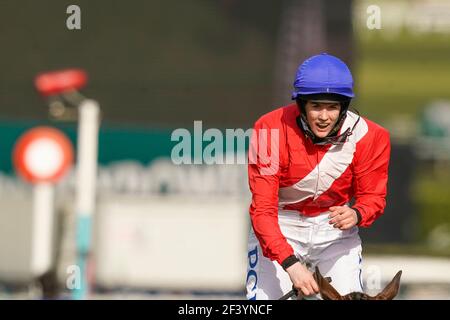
point(317, 171)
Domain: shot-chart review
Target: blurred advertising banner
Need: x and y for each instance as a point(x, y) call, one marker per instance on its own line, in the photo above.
point(171, 242)
point(157, 224)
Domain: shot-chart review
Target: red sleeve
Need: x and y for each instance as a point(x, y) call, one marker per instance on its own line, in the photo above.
point(371, 175)
point(264, 177)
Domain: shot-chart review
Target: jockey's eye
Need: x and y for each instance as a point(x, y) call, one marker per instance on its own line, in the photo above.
point(328, 106)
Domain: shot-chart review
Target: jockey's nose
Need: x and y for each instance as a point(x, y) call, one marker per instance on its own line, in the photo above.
point(323, 114)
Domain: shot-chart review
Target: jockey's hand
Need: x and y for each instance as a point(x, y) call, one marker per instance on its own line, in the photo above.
point(302, 279)
point(343, 217)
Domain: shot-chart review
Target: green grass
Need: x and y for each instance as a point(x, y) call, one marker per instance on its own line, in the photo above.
point(432, 193)
point(401, 75)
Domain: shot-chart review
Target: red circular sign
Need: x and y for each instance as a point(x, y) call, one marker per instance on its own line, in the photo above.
point(43, 154)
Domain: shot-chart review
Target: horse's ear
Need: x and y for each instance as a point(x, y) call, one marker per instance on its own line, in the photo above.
point(326, 289)
point(391, 289)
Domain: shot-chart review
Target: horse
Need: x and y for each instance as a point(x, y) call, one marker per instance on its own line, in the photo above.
point(327, 292)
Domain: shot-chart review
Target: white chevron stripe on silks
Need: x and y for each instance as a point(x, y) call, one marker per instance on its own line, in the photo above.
point(331, 167)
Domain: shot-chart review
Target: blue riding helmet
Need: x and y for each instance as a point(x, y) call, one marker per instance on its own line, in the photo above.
point(323, 73)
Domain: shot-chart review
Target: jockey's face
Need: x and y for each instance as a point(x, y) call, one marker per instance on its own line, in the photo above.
point(322, 116)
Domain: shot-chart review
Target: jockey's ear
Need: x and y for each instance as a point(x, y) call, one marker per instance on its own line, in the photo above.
point(326, 289)
point(391, 289)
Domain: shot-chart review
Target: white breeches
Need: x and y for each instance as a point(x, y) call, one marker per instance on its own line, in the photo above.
point(316, 243)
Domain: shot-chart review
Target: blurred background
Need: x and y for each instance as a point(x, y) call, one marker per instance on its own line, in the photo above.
point(166, 231)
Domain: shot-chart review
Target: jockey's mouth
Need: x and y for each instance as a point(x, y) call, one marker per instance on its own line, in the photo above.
point(322, 126)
